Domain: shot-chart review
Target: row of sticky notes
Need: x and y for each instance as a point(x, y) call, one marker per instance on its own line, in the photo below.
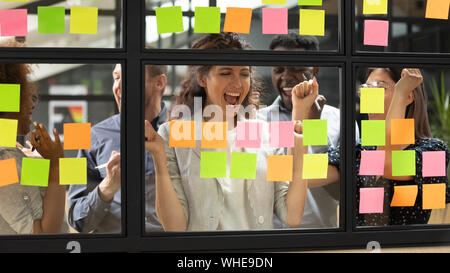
point(248, 134)
point(35, 171)
point(208, 20)
point(372, 199)
point(435, 9)
point(373, 132)
point(243, 166)
point(403, 163)
point(83, 20)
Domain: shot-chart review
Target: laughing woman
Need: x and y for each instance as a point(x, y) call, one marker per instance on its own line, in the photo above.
point(184, 201)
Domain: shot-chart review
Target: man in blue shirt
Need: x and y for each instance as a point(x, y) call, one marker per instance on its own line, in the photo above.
point(96, 207)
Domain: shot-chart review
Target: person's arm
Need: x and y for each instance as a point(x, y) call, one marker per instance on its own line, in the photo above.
point(167, 205)
point(53, 203)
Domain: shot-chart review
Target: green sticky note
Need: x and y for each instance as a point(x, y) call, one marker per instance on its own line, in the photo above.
point(51, 20)
point(315, 166)
point(72, 171)
point(213, 164)
point(169, 20)
point(274, 2)
point(35, 172)
point(315, 132)
point(8, 132)
point(312, 22)
point(243, 166)
point(207, 20)
point(9, 97)
point(373, 133)
point(403, 163)
point(310, 2)
point(372, 100)
point(83, 20)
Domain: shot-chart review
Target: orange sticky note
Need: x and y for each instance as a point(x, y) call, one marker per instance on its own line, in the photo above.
point(238, 20)
point(214, 135)
point(437, 9)
point(8, 170)
point(402, 131)
point(77, 136)
point(433, 196)
point(279, 168)
point(404, 196)
point(182, 134)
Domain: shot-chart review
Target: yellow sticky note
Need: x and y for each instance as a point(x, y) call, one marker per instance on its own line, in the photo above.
point(72, 171)
point(279, 168)
point(274, 2)
point(83, 20)
point(8, 132)
point(433, 196)
point(312, 22)
point(372, 100)
point(404, 196)
point(375, 6)
point(315, 166)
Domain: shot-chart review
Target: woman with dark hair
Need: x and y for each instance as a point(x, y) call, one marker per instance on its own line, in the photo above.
point(184, 201)
point(28, 209)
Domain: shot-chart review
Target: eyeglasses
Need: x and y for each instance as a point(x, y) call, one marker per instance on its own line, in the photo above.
point(380, 84)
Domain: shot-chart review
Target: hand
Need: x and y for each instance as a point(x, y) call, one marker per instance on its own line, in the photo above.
point(112, 182)
point(46, 147)
point(154, 143)
point(303, 97)
point(314, 112)
point(28, 150)
point(410, 79)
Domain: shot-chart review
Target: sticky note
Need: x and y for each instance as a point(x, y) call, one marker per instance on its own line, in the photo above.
point(373, 133)
point(83, 20)
point(404, 163)
point(51, 20)
point(72, 171)
point(315, 166)
point(372, 100)
point(402, 131)
point(279, 168)
point(372, 163)
point(433, 196)
point(375, 7)
point(248, 134)
point(404, 196)
point(376, 32)
point(281, 134)
point(9, 97)
point(310, 2)
point(433, 164)
point(213, 164)
point(8, 169)
point(214, 135)
point(274, 2)
point(238, 20)
point(312, 22)
point(182, 134)
point(8, 135)
point(207, 20)
point(35, 172)
point(275, 20)
point(371, 200)
point(14, 22)
point(169, 20)
point(315, 132)
point(437, 9)
point(243, 165)
point(77, 136)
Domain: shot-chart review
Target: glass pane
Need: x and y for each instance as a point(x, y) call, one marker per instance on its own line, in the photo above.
point(402, 157)
point(63, 24)
point(278, 20)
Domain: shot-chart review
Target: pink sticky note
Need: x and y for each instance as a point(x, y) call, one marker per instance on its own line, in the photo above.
point(281, 134)
point(275, 20)
point(372, 163)
point(433, 163)
point(376, 32)
point(371, 200)
point(14, 22)
point(248, 134)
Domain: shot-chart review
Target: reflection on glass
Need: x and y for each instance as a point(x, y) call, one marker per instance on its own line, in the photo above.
point(402, 158)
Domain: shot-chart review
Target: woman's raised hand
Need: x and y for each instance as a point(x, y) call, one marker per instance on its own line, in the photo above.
point(410, 79)
point(46, 147)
